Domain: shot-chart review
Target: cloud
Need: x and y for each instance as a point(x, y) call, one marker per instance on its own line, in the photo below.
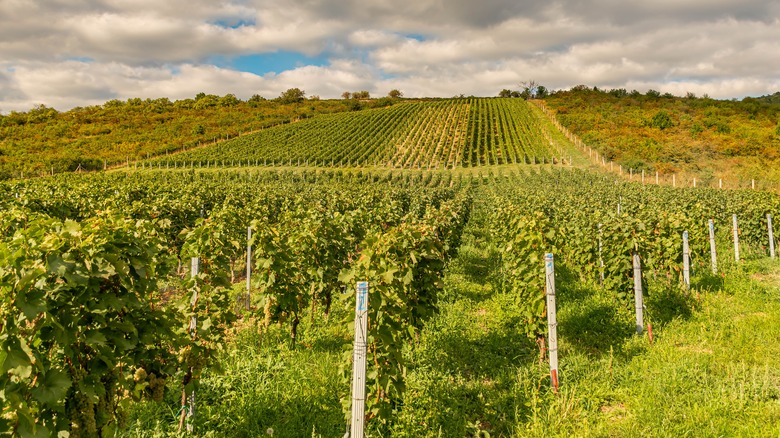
point(79, 52)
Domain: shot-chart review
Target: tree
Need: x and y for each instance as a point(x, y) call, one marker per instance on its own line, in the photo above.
point(346, 95)
point(532, 90)
point(229, 100)
point(395, 94)
point(255, 100)
point(361, 95)
point(292, 95)
point(618, 92)
point(505, 93)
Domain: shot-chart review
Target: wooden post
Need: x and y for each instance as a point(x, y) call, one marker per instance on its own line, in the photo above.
point(720, 183)
point(694, 182)
point(552, 322)
point(686, 261)
point(638, 301)
point(359, 361)
point(753, 184)
point(713, 253)
point(248, 265)
point(674, 180)
point(736, 238)
point(771, 235)
point(643, 176)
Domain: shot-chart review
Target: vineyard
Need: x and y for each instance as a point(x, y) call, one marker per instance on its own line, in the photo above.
point(195, 299)
point(442, 134)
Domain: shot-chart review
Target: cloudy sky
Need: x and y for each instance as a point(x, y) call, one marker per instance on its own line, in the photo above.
point(66, 53)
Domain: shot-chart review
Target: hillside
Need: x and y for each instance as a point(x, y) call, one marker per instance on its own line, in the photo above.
point(44, 140)
point(435, 134)
point(703, 137)
point(690, 137)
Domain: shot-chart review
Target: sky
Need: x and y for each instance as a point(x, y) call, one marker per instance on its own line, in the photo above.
point(68, 53)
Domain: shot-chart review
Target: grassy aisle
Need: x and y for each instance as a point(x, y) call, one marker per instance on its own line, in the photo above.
point(714, 369)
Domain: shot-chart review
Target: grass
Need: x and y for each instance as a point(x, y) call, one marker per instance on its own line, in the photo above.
point(713, 370)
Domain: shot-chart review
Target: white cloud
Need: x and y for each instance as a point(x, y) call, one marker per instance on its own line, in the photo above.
point(79, 52)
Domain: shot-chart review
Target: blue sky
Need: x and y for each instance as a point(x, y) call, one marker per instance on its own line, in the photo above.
point(274, 62)
point(66, 54)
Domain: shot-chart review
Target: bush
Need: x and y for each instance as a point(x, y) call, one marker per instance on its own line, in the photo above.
point(661, 120)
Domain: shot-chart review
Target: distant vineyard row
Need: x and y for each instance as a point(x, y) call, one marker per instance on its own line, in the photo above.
point(440, 134)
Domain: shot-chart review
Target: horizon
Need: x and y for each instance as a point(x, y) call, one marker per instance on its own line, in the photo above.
point(308, 98)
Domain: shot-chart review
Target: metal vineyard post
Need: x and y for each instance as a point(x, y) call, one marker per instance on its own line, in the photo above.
point(771, 235)
point(686, 261)
point(713, 253)
point(638, 302)
point(359, 361)
point(736, 238)
point(248, 265)
point(552, 322)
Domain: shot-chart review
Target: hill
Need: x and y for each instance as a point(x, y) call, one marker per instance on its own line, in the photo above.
point(43, 140)
point(432, 134)
point(769, 98)
point(701, 136)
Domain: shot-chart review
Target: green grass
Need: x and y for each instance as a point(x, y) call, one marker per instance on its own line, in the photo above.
point(713, 370)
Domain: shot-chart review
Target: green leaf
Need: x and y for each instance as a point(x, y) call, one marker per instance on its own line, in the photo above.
point(346, 276)
point(409, 277)
point(387, 277)
point(17, 361)
point(31, 303)
point(53, 388)
point(95, 338)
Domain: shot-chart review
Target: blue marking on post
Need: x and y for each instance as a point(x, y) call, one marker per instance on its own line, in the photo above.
point(362, 291)
point(685, 235)
point(548, 258)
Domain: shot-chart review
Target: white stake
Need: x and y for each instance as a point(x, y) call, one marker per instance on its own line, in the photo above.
point(601, 260)
point(359, 361)
point(195, 268)
point(248, 265)
point(713, 253)
point(674, 180)
point(736, 238)
point(552, 322)
point(638, 304)
point(686, 261)
point(771, 235)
